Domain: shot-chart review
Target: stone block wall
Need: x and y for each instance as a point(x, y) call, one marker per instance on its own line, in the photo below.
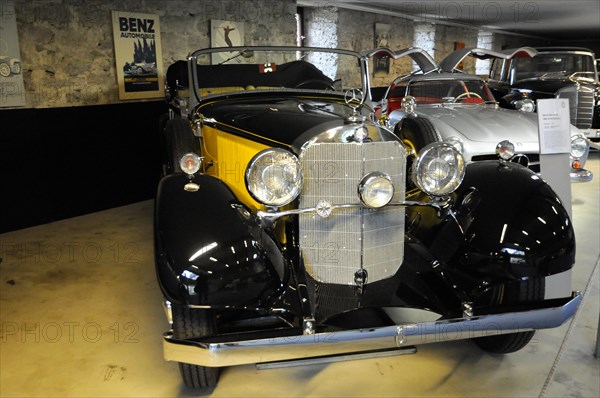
point(356, 30)
point(67, 45)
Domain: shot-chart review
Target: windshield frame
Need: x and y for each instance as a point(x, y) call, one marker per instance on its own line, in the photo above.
point(487, 98)
point(537, 74)
point(193, 59)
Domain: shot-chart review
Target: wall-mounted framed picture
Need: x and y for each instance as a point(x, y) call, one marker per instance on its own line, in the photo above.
point(226, 34)
point(138, 55)
point(381, 62)
point(12, 89)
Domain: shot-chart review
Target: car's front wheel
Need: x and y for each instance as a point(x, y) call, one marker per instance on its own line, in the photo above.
point(188, 323)
point(524, 291)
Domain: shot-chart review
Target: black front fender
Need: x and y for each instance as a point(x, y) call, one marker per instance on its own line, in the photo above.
point(210, 250)
point(520, 227)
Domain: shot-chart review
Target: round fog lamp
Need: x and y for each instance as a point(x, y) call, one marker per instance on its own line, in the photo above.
point(376, 190)
point(505, 150)
point(190, 163)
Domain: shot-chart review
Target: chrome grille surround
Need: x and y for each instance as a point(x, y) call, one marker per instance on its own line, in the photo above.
point(334, 248)
point(585, 107)
point(581, 104)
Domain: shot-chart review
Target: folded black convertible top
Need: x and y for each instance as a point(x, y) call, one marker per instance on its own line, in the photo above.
point(289, 74)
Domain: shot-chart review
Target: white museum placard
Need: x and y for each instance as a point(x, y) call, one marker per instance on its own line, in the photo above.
point(12, 90)
point(138, 55)
point(554, 125)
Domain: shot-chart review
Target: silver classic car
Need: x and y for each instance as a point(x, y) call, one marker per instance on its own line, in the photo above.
point(441, 103)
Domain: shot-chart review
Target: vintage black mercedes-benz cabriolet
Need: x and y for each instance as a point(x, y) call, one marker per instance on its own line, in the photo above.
point(290, 228)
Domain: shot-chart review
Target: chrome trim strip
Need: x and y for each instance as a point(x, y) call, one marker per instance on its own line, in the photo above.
point(232, 353)
point(272, 216)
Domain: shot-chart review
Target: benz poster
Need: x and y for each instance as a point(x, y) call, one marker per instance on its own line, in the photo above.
point(12, 91)
point(138, 55)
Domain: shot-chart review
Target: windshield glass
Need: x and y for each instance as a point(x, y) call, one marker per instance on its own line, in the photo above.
point(443, 91)
point(241, 69)
point(561, 64)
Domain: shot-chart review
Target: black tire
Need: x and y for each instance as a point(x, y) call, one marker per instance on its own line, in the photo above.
point(179, 140)
point(530, 290)
point(188, 322)
point(417, 132)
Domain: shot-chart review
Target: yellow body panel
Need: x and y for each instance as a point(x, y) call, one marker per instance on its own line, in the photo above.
point(230, 155)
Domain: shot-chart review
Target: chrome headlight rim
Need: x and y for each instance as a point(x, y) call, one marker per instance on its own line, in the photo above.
point(457, 143)
point(505, 150)
point(439, 169)
point(408, 104)
point(526, 105)
point(376, 190)
point(579, 146)
point(267, 171)
point(190, 163)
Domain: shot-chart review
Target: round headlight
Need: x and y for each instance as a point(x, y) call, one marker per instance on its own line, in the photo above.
point(505, 150)
point(525, 105)
point(578, 146)
point(408, 104)
point(439, 169)
point(274, 177)
point(190, 163)
point(376, 189)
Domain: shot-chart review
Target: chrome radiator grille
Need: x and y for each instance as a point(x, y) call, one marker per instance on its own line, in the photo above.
point(581, 105)
point(336, 247)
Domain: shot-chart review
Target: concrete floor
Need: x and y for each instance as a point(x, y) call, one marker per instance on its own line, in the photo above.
point(81, 316)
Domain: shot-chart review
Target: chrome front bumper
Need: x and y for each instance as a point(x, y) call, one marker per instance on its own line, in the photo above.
point(581, 175)
point(591, 133)
point(230, 353)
